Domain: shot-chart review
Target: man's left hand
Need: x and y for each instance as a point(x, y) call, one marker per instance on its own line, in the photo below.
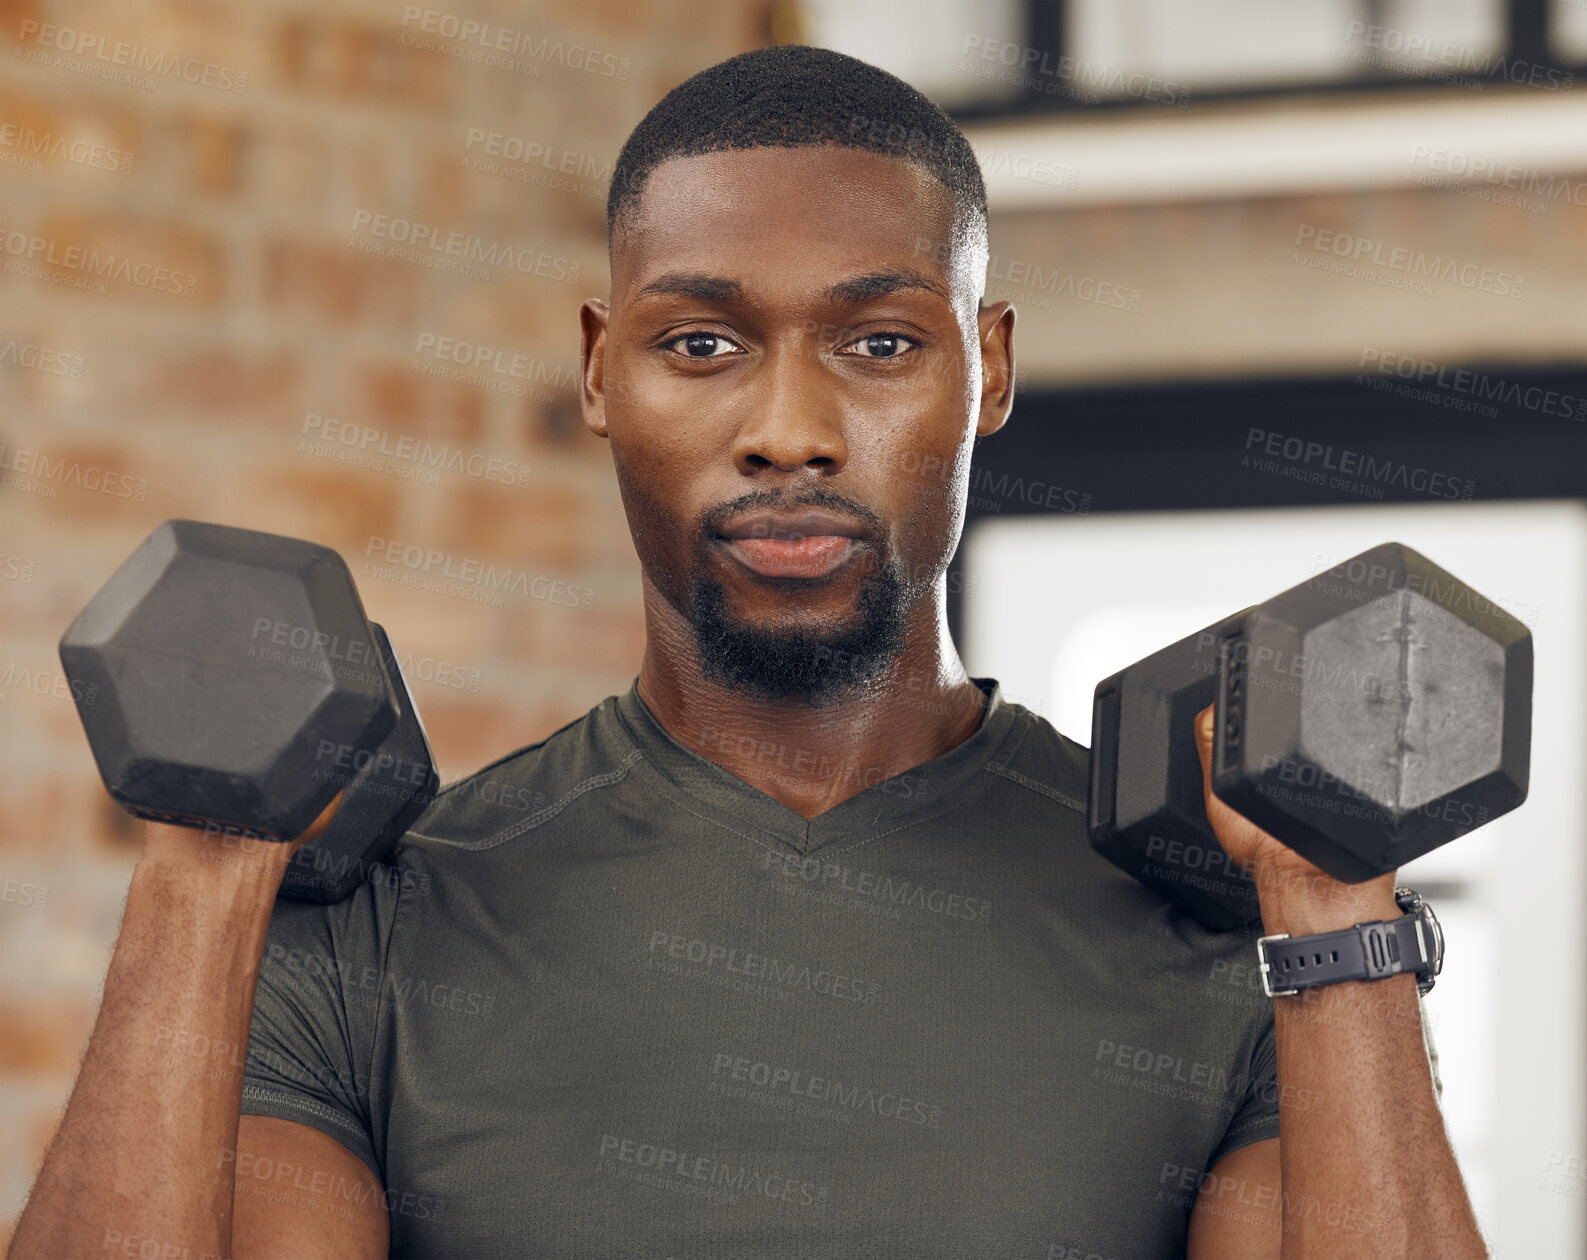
point(1296, 896)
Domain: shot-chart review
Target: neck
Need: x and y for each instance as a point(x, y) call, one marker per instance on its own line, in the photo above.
point(813, 757)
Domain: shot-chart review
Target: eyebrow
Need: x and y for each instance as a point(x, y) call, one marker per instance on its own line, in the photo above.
point(694, 284)
point(875, 284)
point(849, 292)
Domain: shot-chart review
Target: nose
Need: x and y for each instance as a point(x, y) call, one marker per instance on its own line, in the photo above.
point(792, 419)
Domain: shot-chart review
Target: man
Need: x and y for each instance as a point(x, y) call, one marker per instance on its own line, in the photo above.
point(797, 948)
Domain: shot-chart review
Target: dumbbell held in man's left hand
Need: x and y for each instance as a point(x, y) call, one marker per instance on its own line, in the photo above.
point(1363, 718)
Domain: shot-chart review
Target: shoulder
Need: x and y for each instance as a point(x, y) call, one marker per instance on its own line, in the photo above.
point(1046, 763)
point(1042, 760)
point(530, 786)
point(465, 834)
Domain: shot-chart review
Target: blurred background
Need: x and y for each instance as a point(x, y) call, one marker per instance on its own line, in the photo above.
point(1292, 279)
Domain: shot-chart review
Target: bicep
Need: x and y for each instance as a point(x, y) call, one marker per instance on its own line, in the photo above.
point(298, 1192)
point(1239, 1210)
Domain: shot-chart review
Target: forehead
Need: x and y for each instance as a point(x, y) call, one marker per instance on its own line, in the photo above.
point(785, 211)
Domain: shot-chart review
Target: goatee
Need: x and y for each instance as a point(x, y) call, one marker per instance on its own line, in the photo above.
point(800, 664)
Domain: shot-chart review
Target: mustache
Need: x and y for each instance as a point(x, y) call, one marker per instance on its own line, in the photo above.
point(712, 521)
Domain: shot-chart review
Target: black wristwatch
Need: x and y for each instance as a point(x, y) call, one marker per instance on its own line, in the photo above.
point(1367, 951)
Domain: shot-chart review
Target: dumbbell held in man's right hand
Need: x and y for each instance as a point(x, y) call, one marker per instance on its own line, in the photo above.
point(1363, 717)
point(228, 679)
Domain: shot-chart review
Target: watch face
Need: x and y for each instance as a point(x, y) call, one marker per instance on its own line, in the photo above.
point(1410, 901)
point(1438, 937)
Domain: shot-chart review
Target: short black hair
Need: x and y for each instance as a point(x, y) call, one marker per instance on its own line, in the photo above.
point(793, 96)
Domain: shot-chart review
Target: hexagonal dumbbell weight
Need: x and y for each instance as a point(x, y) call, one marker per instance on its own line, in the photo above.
point(1364, 717)
point(229, 679)
point(1144, 809)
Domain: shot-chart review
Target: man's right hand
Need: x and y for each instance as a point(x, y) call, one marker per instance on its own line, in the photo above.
point(166, 842)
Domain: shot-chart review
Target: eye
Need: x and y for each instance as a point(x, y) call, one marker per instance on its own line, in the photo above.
point(702, 345)
point(883, 346)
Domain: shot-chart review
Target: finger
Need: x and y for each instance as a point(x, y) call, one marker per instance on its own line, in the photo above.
point(316, 828)
point(1234, 831)
point(1204, 721)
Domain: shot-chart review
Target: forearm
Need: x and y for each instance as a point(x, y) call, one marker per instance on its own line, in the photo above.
point(1367, 1165)
point(149, 1117)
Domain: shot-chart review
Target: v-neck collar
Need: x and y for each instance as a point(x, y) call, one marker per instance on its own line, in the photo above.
point(900, 801)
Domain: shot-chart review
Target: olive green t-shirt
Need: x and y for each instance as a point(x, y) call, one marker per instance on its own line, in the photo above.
point(610, 1000)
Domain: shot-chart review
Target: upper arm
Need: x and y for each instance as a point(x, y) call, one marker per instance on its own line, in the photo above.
point(299, 1192)
point(1239, 1210)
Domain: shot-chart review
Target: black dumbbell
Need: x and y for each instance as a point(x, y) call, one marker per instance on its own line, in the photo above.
point(228, 679)
point(1364, 717)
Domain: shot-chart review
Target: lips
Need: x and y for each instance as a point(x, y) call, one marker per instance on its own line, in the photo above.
point(809, 543)
point(792, 526)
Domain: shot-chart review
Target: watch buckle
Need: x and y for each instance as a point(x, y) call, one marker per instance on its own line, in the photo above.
point(1266, 968)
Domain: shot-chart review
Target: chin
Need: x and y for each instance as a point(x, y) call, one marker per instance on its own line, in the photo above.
point(798, 661)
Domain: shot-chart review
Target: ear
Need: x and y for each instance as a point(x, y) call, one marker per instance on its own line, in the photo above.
point(996, 327)
point(593, 317)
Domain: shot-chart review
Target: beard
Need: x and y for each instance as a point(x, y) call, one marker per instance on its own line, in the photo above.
point(812, 665)
point(818, 665)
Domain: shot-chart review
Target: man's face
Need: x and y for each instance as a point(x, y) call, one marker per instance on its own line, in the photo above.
point(791, 374)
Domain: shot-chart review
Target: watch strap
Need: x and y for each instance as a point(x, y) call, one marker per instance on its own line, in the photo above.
point(1366, 951)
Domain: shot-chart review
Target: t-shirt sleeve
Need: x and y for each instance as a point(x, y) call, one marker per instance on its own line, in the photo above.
point(1256, 1118)
point(310, 1046)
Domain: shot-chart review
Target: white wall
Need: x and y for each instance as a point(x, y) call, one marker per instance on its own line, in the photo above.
point(1060, 603)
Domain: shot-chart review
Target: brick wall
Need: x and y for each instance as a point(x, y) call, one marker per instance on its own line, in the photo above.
point(259, 337)
point(235, 157)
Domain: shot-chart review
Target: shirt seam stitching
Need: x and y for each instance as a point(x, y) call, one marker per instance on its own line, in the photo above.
point(379, 1024)
point(1027, 782)
point(663, 786)
point(309, 1105)
point(1260, 1117)
point(832, 852)
point(880, 835)
point(514, 830)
